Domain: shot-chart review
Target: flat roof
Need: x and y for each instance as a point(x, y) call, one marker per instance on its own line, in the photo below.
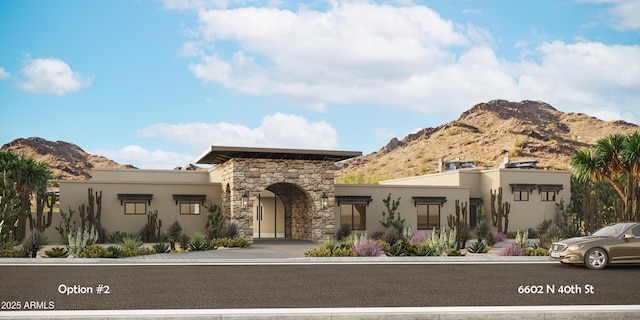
point(220, 154)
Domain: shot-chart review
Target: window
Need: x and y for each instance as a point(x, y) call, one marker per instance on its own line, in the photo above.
point(521, 195)
point(548, 195)
point(135, 203)
point(131, 207)
point(192, 208)
point(428, 215)
point(354, 214)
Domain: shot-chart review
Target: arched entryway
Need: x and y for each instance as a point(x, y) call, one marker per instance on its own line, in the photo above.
point(282, 210)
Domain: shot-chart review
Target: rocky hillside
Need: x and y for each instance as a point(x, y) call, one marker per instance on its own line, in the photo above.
point(486, 133)
point(66, 160)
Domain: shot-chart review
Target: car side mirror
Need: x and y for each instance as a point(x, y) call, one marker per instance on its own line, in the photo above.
point(629, 236)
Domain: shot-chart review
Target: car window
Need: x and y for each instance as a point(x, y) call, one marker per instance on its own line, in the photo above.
point(636, 231)
point(609, 231)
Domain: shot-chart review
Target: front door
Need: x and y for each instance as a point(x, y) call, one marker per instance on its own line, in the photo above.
point(268, 217)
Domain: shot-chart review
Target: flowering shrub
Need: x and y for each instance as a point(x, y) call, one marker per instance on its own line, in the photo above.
point(367, 248)
point(499, 236)
point(512, 250)
point(419, 237)
point(377, 234)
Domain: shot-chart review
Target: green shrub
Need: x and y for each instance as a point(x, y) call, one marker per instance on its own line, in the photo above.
point(114, 252)
point(57, 252)
point(161, 247)
point(117, 236)
point(454, 253)
point(34, 242)
point(478, 247)
point(197, 242)
point(131, 242)
point(421, 250)
point(343, 232)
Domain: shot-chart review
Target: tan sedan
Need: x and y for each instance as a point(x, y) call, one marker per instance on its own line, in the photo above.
point(617, 243)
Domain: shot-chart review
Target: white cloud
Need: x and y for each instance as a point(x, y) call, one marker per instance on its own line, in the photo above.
point(277, 130)
point(585, 77)
point(624, 13)
point(146, 159)
point(384, 134)
point(50, 76)
point(407, 57)
point(4, 74)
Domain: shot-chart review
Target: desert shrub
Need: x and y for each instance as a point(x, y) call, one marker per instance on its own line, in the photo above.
point(397, 249)
point(197, 242)
point(230, 231)
point(482, 230)
point(421, 249)
point(15, 252)
point(184, 241)
point(392, 236)
point(512, 250)
point(93, 251)
point(330, 243)
point(377, 234)
point(343, 232)
point(57, 252)
point(383, 244)
point(230, 243)
point(103, 234)
point(367, 248)
point(478, 247)
point(454, 253)
point(522, 239)
point(174, 232)
point(419, 237)
point(539, 251)
point(551, 235)
point(131, 242)
point(116, 237)
point(318, 252)
point(34, 242)
point(343, 252)
point(499, 237)
point(114, 252)
point(161, 247)
point(490, 239)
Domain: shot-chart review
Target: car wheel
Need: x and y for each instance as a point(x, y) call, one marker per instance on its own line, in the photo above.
point(595, 258)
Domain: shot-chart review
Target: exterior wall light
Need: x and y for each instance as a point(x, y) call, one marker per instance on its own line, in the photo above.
point(245, 200)
point(324, 201)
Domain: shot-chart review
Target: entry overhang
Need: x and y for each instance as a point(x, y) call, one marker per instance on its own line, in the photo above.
point(220, 154)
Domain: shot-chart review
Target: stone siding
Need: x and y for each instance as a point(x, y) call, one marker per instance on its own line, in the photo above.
point(299, 183)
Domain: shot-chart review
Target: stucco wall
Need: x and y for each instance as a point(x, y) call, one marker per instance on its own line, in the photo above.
point(74, 193)
point(407, 208)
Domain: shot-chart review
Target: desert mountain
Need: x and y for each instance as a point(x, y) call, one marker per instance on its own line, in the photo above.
point(486, 133)
point(66, 160)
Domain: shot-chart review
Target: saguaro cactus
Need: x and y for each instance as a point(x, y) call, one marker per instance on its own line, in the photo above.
point(460, 224)
point(499, 212)
point(88, 213)
point(43, 199)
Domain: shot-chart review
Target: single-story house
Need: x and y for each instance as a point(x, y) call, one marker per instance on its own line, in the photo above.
point(291, 193)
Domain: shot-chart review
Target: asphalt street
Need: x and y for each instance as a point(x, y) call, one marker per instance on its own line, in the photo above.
point(309, 285)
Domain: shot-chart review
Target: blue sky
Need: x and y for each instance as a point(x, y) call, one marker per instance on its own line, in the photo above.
point(154, 83)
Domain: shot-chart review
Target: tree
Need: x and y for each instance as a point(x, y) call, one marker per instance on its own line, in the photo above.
point(615, 159)
point(29, 177)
